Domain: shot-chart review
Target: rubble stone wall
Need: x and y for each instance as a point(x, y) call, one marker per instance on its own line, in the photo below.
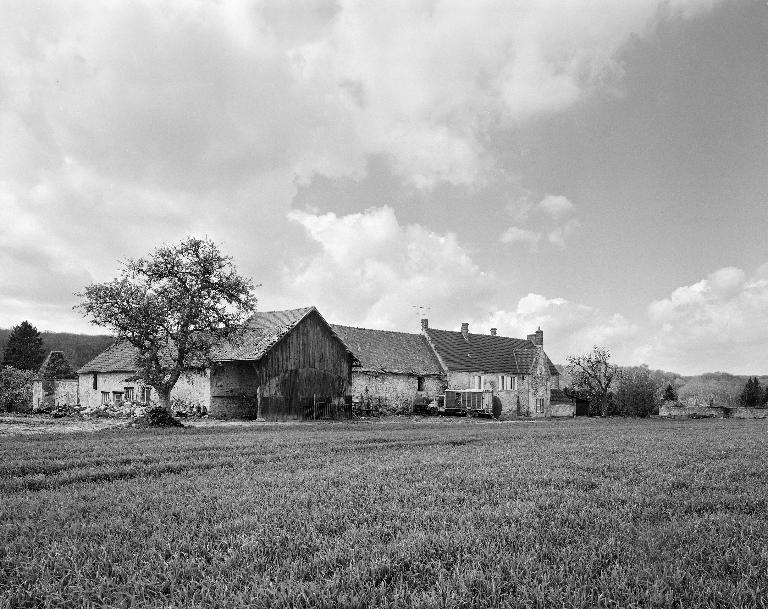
point(193, 389)
point(514, 402)
point(53, 393)
point(397, 391)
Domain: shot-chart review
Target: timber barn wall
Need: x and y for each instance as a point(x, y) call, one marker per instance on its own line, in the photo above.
point(305, 375)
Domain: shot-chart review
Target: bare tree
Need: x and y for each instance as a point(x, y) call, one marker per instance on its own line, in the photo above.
point(172, 306)
point(593, 374)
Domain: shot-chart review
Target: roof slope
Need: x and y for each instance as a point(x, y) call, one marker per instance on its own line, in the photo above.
point(119, 357)
point(262, 331)
point(485, 352)
point(55, 366)
point(385, 351)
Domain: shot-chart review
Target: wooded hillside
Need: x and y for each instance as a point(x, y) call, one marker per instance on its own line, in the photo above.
point(79, 348)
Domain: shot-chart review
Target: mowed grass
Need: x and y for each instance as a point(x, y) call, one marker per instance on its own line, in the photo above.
point(431, 513)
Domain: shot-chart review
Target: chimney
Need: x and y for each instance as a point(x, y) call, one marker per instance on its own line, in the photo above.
point(465, 329)
point(537, 338)
point(493, 331)
point(424, 324)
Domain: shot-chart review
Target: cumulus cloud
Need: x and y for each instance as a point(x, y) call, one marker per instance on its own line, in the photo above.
point(556, 206)
point(721, 320)
point(559, 234)
point(569, 327)
point(515, 234)
point(126, 124)
point(551, 208)
point(370, 270)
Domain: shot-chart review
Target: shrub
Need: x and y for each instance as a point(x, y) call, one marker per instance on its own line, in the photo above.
point(15, 389)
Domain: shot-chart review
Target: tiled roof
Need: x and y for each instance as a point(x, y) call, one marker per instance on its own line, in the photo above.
point(384, 351)
point(556, 396)
point(262, 331)
point(485, 352)
point(120, 357)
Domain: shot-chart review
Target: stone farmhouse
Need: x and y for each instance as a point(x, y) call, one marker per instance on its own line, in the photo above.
point(518, 371)
point(294, 365)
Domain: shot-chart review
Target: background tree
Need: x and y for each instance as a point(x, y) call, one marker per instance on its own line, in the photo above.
point(639, 392)
point(593, 374)
point(751, 396)
point(669, 393)
point(24, 349)
point(173, 306)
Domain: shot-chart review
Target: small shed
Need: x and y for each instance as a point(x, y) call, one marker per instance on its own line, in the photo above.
point(287, 365)
point(55, 384)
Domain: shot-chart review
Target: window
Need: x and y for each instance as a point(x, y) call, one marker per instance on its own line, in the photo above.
point(146, 394)
point(105, 397)
point(539, 404)
point(478, 382)
point(419, 383)
point(117, 396)
point(515, 382)
point(504, 383)
point(95, 380)
point(129, 394)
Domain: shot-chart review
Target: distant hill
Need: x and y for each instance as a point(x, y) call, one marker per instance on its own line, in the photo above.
point(78, 348)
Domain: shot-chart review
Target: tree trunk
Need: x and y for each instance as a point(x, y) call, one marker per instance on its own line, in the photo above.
point(164, 397)
point(603, 406)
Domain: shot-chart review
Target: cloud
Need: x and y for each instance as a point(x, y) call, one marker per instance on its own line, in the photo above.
point(559, 234)
point(556, 206)
point(720, 321)
point(515, 234)
point(370, 270)
point(126, 124)
point(569, 327)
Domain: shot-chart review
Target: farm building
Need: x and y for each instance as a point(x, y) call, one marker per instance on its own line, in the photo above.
point(55, 383)
point(396, 368)
point(290, 365)
point(287, 365)
point(517, 370)
point(111, 377)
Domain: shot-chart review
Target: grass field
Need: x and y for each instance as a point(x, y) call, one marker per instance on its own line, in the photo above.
point(432, 513)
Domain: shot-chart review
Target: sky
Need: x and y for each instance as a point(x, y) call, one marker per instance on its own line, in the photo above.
point(596, 168)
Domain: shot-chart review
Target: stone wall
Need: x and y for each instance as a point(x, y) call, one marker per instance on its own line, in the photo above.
point(514, 402)
point(54, 393)
point(678, 409)
point(695, 410)
point(233, 391)
point(192, 389)
point(397, 391)
point(562, 409)
point(742, 412)
point(192, 392)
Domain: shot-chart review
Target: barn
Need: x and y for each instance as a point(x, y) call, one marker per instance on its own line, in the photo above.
point(288, 365)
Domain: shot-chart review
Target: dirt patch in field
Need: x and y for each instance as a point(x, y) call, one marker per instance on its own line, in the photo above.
point(11, 424)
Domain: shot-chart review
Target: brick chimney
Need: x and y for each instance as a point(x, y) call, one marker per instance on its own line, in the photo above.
point(465, 329)
point(537, 338)
point(493, 331)
point(424, 324)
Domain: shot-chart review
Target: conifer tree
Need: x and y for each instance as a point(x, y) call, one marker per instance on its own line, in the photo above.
point(669, 394)
point(24, 349)
point(751, 394)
